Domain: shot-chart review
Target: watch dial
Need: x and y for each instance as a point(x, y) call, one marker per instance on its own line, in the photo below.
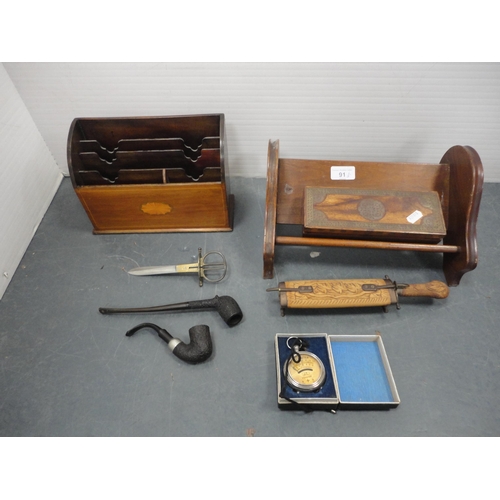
point(306, 375)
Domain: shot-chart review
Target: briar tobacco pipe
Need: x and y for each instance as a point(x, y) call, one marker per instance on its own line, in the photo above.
point(198, 350)
point(225, 305)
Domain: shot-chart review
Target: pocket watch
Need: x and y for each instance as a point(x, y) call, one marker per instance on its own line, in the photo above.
point(304, 371)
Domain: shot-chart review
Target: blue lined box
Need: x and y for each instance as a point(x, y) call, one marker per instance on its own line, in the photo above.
point(364, 376)
point(359, 376)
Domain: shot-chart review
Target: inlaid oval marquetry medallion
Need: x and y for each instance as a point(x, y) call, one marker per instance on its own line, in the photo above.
point(371, 209)
point(156, 208)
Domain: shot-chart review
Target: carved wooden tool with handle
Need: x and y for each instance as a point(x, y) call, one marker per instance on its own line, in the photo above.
point(328, 294)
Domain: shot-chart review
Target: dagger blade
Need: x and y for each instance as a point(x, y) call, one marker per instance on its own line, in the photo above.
point(153, 270)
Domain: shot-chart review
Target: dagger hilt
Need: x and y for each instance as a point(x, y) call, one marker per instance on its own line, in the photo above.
point(433, 289)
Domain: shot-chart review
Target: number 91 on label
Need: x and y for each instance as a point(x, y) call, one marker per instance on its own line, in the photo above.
point(342, 173)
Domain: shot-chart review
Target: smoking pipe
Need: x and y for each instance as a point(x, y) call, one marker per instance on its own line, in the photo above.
point(226, 306)
point(199, 348)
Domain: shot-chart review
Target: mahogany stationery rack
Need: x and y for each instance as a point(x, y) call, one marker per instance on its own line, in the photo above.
point(151, 174)
point(372, 191)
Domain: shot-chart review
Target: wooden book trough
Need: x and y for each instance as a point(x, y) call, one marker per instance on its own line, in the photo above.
point(378, 205)
point(151, 174)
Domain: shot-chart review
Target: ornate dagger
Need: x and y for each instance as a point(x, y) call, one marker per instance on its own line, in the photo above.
point(317, 294)
point(212, 271)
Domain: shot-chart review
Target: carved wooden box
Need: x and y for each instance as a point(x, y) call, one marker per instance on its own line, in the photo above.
point(151, 174)
point(374, 214)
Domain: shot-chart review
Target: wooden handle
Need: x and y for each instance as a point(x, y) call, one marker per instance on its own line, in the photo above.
point(434, 289)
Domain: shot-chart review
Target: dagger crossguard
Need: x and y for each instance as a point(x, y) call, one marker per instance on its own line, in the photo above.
point(390, 285)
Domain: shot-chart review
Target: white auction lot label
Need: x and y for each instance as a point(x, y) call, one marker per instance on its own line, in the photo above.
point(414, 217)
point(343, 173)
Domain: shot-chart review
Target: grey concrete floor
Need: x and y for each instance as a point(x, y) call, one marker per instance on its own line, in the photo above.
point(67, 370)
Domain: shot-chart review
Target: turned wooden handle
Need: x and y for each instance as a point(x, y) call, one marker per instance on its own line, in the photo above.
point(434, 289)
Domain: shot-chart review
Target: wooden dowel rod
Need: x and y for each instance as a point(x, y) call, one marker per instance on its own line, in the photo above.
point(381, 245)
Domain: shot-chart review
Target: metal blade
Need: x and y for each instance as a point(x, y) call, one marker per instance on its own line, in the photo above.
point(153, 270)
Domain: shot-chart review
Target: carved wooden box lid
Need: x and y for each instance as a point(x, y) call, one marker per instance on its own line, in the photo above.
point(373, 214)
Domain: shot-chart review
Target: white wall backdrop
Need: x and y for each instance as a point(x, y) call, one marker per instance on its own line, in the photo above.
point(29, 178)
point(388, 111)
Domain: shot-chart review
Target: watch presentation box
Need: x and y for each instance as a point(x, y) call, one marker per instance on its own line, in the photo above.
point(373, 214)
point(357, 374)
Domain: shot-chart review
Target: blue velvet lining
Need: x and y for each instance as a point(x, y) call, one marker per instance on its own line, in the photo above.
point(361, 375)
point(319, 346)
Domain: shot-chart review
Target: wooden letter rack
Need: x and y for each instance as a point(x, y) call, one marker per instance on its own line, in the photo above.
point(152, 174)
point(390, 206)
